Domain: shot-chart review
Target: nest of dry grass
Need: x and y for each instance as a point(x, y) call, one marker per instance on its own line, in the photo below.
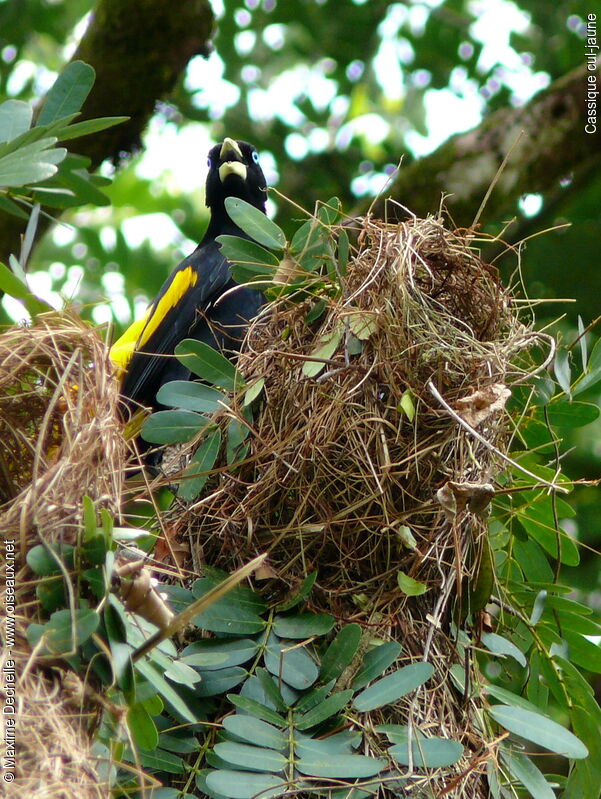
point(60, 439)
point(53, 731)
point(340, 479)
point(337, 470)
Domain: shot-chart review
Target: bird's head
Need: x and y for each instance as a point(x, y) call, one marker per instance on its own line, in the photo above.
point(234, 171)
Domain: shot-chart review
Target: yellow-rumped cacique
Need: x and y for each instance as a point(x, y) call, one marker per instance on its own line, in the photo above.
point(199, 299)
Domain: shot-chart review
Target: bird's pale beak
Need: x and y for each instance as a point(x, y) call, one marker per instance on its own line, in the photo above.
point(230, 146)
point(233, 160)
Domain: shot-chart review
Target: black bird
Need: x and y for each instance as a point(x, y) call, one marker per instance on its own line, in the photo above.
point(191, 302)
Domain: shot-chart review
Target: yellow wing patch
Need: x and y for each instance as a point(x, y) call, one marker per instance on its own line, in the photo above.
point(138, 333)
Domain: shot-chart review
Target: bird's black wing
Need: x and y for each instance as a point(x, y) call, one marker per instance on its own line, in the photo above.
point(145, 350)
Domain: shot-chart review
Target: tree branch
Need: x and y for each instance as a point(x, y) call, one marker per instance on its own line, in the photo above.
point(548, 140)
point(139, 49)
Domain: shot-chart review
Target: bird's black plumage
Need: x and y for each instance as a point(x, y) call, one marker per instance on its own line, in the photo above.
point(199, 299)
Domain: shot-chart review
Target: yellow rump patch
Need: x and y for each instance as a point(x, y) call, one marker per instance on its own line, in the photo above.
point(138, 333)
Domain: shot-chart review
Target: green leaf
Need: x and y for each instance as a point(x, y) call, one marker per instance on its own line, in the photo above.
point(362, 324)
point(376, 662)
point(245, 784)
point(325, 350)
point(532, 560)
point(410, 586)
point(181, 673)
point(561, 367)
point(158, 760)
point(509, 698)
point(164, 689)
point(203, 460)
point(544, 389)
point(593, 373)
point(399, 733)
point(51, 594)
point(68, 93)
point(255, 731)
point(501, 646)
point(173, 427)
point(249, 260)
point(340, 766)
point(310, 244)
point(42, 562)
point(343, 251)
point(219, 653)
point(13, 285)
point(31, 164)
point(538, 608)
point(407, 405)
point(316, 311)
point(216, 683)
point(81, 183)
point(303, 625)
point(572, 414)
point(90, 523)
point(88, 126)
point(341, 743)
point(178, 742)
point(330, 211)
point(290, 662)
point(524, 771)
point(191, 396)
point(255, 223)
point(393, 686)
point(256, 709)
point(253, 757)
point(10, 207)
point(333, 704)
point(270, 690)
point(142, 727)
point(15, 119)
point(540, 730)
point(253, 391)
point(428, 752)
point(209, 364)
point(583, 344)
point(583, 652)
point(237, 433)
point(58, 631)
point(120, 650)
point(237, 612)
point(314, 697)
point(537, 519)
point(302, 593)
point(340, 653)
point(248, 253)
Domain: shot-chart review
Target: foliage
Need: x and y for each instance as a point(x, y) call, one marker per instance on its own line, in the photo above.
point(530, 666)
point(299, 680)
point(34, 171)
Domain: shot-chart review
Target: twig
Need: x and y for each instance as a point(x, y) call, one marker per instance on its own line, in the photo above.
point(436, 394)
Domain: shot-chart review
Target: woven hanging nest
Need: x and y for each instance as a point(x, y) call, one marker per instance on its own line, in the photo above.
point(342, 475)
point(60, 439)
point(384, 461)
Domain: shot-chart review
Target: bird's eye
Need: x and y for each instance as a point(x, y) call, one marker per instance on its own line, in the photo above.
point(255, 156)
point(209, 162)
